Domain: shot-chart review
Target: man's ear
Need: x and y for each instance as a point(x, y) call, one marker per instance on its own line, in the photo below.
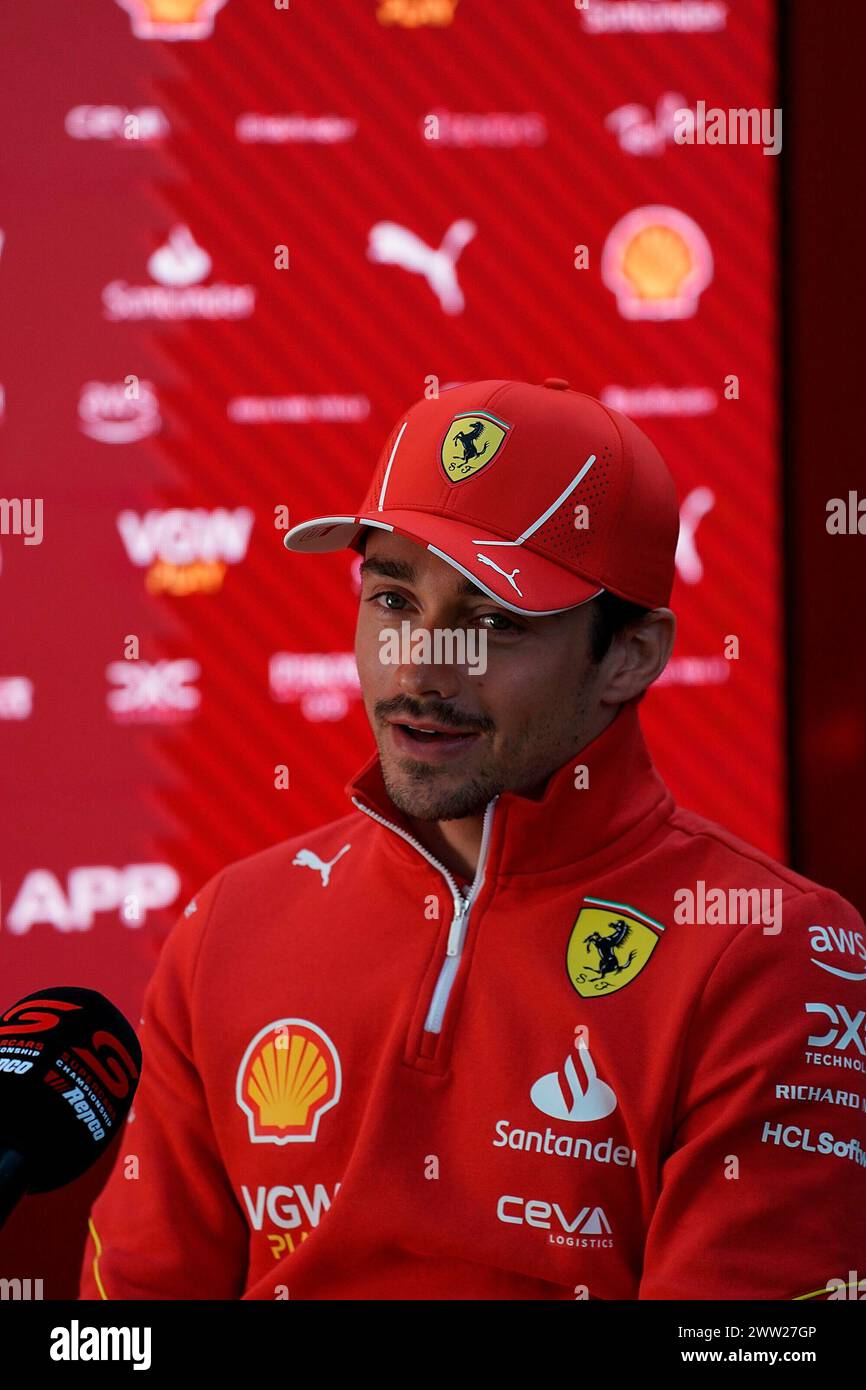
point(637, 656)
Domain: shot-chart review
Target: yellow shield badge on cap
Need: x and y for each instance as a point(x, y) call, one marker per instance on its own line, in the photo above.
point(610, 944)
point(473, 440)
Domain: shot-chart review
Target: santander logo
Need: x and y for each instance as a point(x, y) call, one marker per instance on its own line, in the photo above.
point(180, 261)
point(574, 1093)
point(178, 268)
point(583, 1096)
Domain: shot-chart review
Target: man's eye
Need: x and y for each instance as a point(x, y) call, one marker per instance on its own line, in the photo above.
point(498, 618)
point(497, 621)
point(387, 593)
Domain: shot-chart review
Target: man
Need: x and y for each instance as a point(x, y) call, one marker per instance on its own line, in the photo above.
point(515, 1027)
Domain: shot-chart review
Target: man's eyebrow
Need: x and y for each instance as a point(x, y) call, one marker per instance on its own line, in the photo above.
point(399, 569)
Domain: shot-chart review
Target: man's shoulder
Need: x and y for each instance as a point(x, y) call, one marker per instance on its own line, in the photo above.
point(308, 859)
point(727, 861)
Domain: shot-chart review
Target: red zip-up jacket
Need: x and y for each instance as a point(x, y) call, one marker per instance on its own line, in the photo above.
point(363, 1081)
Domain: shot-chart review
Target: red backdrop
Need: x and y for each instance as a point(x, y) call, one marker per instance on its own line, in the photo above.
point(197, 332)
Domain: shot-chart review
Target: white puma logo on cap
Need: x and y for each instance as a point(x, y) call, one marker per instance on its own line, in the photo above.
point(485, 560)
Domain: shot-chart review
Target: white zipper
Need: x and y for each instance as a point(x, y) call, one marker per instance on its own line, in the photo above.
point(462, 908)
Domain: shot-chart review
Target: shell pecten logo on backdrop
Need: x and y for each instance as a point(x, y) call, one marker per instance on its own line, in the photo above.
point(288, 1078)
point(172, 19)
point(657, 262)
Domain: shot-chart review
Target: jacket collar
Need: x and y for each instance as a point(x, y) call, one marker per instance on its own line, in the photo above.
point(622, 802)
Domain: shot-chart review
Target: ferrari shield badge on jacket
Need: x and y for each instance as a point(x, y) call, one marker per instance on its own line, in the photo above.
point(600, 1070)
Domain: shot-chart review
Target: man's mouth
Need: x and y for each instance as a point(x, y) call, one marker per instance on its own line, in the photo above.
point(428, 739)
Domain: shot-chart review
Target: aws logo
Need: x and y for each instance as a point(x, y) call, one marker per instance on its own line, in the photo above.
point(288, 1078)
point(832, 940)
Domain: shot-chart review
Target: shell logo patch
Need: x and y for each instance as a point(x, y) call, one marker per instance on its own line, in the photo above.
point(609, 945)
point(657, 262)
point(288, 1078)
point(472, 441)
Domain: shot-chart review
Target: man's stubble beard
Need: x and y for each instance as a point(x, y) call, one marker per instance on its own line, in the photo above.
point(423, 800)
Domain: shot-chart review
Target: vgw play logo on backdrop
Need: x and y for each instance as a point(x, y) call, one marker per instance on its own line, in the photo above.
point(186, 550)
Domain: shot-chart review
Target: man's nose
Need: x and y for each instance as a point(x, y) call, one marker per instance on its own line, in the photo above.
point(419, 678)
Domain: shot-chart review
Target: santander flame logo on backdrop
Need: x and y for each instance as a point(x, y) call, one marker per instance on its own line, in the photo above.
point(178, 268)
point(181, 261)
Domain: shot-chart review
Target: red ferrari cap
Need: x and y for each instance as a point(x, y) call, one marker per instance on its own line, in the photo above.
point(540, 495)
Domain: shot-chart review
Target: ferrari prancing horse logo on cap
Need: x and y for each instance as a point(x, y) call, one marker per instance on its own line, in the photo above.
point(610, 944)
point(473, 440)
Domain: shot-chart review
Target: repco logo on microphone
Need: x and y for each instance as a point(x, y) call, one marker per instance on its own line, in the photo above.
point(75, 1097)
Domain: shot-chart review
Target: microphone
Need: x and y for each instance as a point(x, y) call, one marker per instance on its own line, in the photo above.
point(69, 1067)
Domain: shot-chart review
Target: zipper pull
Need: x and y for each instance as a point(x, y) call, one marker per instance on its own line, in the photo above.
point(455, 934)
